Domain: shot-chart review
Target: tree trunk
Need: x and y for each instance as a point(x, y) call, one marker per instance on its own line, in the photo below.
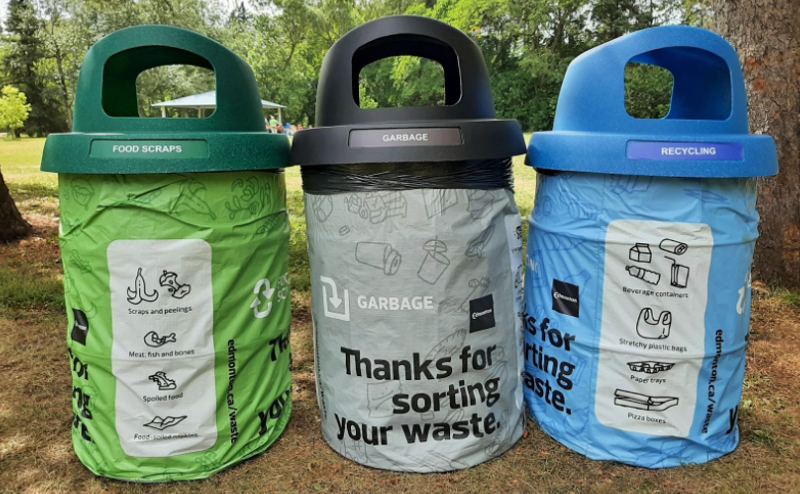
point(766, 33)
point(12, 226)
point(62, 79)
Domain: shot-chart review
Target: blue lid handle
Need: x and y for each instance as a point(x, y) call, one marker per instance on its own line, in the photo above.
point(708, 94)
point(704, 135)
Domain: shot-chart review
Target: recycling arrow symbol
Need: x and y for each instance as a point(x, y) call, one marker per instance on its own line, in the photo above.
point(262, 288)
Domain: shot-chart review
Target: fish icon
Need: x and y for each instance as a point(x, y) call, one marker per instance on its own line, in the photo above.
point(152, 339)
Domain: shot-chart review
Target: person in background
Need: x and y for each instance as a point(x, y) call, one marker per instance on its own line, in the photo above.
point(289, 129)
point(273, 124)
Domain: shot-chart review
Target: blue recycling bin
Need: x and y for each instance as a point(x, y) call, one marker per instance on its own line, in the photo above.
point(637, 290)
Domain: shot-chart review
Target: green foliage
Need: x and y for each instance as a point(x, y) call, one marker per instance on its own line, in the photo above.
point(24, 51)
point(530, 94)
point(527, 46)
point(403, 81)
point(648, 91)
point(14, 110)
point(365, 100)
point(617, 17)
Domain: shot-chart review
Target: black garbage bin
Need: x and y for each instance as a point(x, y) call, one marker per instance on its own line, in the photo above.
point(416, 259)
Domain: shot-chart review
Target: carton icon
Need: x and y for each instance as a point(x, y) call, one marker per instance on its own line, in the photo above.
point(640, 253)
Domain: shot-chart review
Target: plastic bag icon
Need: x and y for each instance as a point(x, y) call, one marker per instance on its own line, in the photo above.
point(651, 327)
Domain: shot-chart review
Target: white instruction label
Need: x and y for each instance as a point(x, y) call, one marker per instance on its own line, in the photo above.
point(162, 308)
point(652, 340)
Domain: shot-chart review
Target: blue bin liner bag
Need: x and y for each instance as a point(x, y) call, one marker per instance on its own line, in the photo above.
point(637, 311)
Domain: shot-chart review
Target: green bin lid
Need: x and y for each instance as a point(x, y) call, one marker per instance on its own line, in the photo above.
point(109, 137)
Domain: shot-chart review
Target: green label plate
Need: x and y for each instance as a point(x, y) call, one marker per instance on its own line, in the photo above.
point(150, 149)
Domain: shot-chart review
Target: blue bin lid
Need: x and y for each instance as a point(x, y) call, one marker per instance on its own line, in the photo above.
point(705, 134)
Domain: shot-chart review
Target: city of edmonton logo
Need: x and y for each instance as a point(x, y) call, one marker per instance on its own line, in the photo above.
point(566, 298)
point(481, 313)
point(80, 327)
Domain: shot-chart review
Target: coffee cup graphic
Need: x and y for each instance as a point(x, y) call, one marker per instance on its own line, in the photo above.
point(435, 262)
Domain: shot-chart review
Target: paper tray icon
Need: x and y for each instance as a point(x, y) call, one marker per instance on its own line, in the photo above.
point(650, 366)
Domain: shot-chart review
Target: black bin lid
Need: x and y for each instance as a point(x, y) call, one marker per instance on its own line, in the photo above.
point(464, 129)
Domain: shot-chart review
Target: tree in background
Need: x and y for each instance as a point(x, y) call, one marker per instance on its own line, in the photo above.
point(56, 34)
point(766, 33)
point(13, 113)
point(57, 66)
point(527, 45)
point(12, 225)
point(618, 17)
point(14, 110)
point(25, 50)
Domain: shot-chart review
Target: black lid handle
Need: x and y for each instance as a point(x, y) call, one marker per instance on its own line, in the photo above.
point(468, 92)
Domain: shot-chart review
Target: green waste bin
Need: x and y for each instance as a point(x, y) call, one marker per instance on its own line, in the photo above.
point(174, 239)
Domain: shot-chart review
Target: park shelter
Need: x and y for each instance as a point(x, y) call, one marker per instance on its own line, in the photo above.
point(205, 101)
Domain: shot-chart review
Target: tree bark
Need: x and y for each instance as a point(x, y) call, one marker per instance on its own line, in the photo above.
point(62, 79)
point(766, 33)
point(12, 226)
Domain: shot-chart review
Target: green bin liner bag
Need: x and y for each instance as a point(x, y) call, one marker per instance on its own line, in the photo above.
point(174, 239)
point(177, 293)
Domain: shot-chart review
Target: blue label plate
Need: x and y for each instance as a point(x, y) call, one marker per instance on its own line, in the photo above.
point(685, 151)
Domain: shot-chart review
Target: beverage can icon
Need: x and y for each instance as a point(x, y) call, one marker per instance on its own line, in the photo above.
point(379, 255)
point(673, 246)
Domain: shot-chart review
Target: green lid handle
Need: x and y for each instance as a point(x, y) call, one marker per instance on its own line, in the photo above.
point(106, 98)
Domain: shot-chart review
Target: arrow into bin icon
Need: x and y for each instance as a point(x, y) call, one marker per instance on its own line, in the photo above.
point(334, 300)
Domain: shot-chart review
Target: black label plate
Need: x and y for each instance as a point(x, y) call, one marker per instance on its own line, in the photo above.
point(378, 138)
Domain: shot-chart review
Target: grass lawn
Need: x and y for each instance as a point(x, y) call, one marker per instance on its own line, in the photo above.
point(35, 391)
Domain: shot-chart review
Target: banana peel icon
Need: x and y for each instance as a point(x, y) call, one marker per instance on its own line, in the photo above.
point(651, 327)
point(139, 293)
